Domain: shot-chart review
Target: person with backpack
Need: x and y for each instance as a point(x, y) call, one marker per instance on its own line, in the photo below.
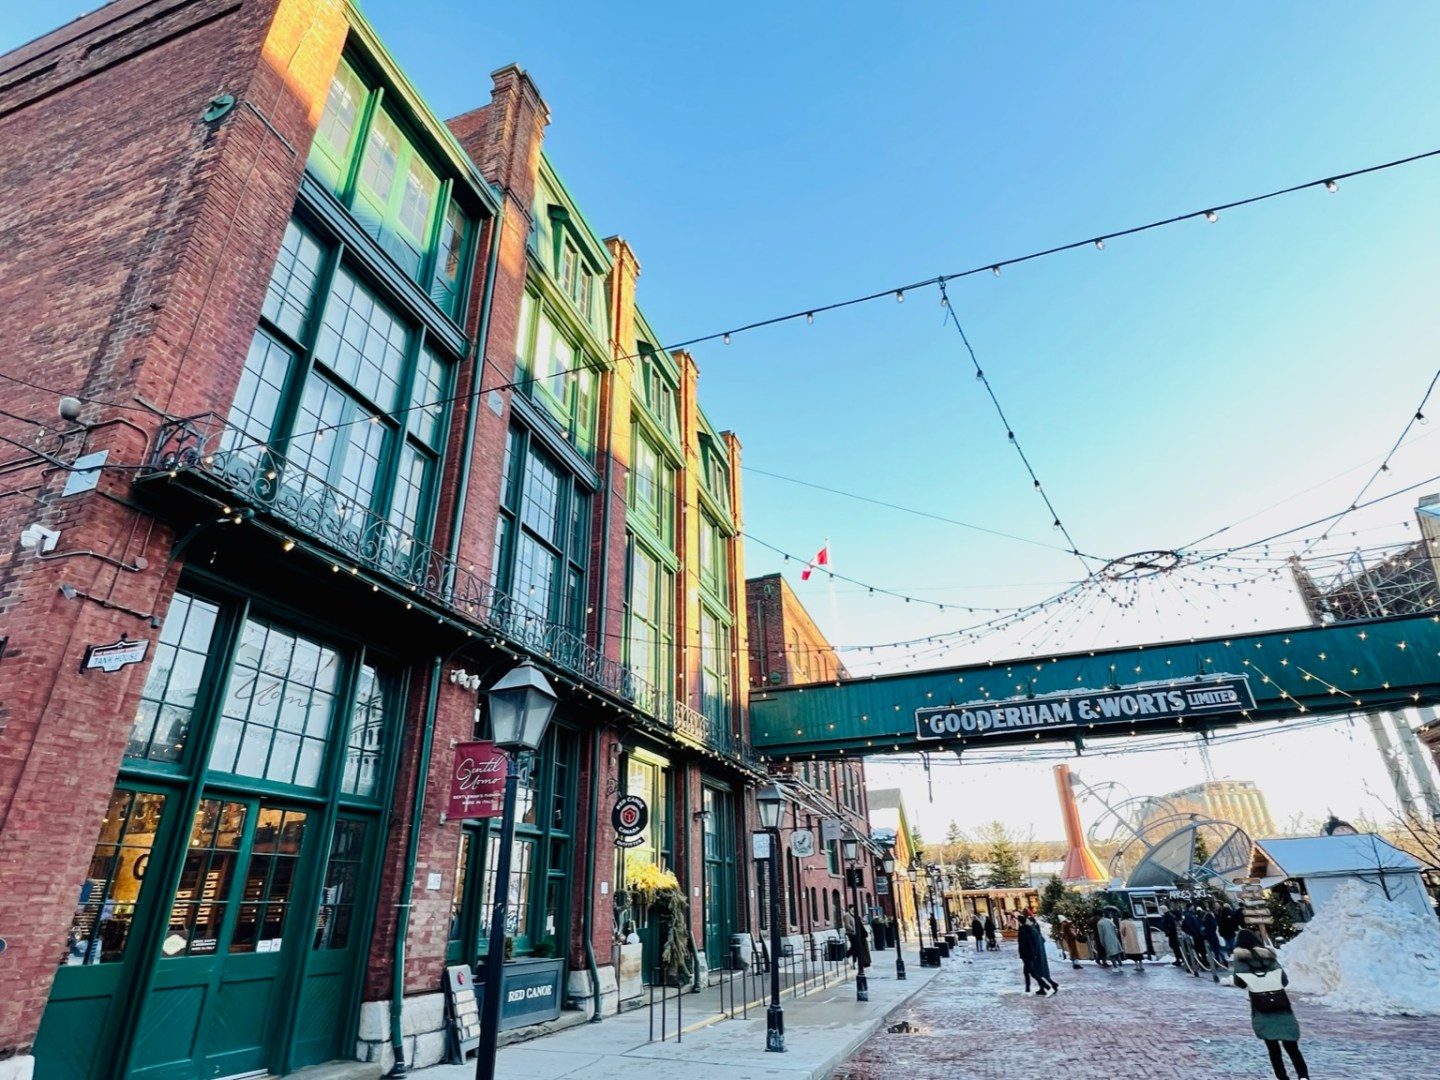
point(1257, 970)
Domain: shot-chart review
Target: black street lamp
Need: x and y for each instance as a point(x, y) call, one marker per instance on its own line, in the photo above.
point(914, 875)
point(521, 705)
point(770, 802)
point(887, 863)
point(851, 845)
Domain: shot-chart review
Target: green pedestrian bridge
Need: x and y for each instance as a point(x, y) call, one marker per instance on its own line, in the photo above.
point(1197, 684)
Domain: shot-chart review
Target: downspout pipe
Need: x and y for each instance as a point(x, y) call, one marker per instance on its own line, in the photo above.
point(412, 852)
point(467, 453)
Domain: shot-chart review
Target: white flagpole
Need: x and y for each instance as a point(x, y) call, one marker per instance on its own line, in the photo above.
point(834, 604)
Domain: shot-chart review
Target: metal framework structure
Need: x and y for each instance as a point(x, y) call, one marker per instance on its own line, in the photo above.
point(1369, 585)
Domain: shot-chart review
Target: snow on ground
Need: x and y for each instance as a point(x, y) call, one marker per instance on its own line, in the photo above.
point(1363, 953)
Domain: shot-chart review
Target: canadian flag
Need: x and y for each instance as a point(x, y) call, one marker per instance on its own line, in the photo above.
point(822, 558)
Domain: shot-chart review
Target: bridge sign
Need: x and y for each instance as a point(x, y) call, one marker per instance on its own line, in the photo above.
point(1210, 696)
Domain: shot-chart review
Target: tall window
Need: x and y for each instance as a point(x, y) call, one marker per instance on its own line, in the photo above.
point(342, 402)
point(543, 535)
point(653, 388)
point(650, 615)
point(714, 668)
point(556, 373)
point(652, 489)
point(714, 559)
point(364, 155)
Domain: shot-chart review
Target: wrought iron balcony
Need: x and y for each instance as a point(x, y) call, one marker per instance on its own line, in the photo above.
point(251, 475)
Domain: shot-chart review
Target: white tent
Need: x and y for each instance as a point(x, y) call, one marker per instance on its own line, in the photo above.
point(1323, 863)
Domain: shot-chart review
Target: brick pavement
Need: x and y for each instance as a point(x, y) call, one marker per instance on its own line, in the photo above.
point(975, 1021)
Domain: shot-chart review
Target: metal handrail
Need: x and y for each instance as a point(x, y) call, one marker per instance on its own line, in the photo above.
point(258, 477)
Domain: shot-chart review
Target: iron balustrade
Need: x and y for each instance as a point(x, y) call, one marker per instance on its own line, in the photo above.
point(257, 477)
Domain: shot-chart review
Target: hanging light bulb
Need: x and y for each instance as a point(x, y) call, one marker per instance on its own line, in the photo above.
point(1331, 186)
point(1212, 216)
point(899, 296)
point(809, 317)
point(725, 338)
point(1099, 245)
point(995, 270)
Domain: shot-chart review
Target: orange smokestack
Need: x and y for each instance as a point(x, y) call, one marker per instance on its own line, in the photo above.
point(1081, 866)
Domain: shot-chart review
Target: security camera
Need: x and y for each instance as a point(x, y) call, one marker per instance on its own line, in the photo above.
point(70, 408)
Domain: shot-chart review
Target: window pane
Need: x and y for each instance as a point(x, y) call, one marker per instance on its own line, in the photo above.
point(365, 751)
point(100, 927)
point(279, 681)
point(329, 153)
point(290, 295)
point(449, 263)
point(162, 722)
point(382, 153)
point(534, 576)
point(427, 409)
point(540, 510)
point(257, 397)
point(418, 199)
point(198, 911)
point(363, 341)
point(269, 880)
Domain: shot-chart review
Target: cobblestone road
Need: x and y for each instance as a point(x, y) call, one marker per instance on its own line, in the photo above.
point(975, 1021)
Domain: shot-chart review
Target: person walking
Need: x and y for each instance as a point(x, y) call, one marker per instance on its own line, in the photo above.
point(977, 931)
point(1229, 918)
point(1033, 961)
point(1194, 929)
point(1109, 935)
point(1130, 942)
point(855, 931)
point(990, 933)
point(1210, 923)
point(1170, 925)
point(1072, 941)
point(1273, 1020)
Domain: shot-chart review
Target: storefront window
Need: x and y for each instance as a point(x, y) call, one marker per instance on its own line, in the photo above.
point(100, 928)
point(365, 754)
point(162, 720)
point(276, 718)
point(198, 912)
point(342, 885)
point(269, 880)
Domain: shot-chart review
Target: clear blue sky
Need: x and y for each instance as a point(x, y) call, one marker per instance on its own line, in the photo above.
point(763, 158)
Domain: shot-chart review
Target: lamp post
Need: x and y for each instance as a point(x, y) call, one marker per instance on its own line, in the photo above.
point(770, 802)
point(914, 875)
point(521, 705)
point(887, 863)
point(932, 873)
point(851, 846)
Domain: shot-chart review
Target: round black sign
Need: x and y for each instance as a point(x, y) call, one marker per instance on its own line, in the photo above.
point(630, 817)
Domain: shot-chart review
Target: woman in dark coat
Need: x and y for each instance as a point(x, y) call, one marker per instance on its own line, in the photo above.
point(990, 932)
point(1259, 972)
point(977, 931)
point(1032, 956)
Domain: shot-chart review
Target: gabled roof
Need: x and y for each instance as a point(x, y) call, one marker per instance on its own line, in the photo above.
point(1322, 856)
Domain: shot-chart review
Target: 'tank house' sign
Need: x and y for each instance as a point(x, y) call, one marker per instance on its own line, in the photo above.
point(1079, 710)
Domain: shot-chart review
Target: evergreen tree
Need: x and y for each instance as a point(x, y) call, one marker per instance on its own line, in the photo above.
point(1051, 897)
point(1201, 853)
point(965, 866)
point(1004, 859)
point(953, 836)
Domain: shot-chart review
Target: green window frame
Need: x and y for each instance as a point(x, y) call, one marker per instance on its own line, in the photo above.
point(651, 487)
point(342, 403)
point(654, 389)
point(650, 622)
point(365, 155)
point(161, 727)
point(715, 659)
point(542, 539)
point(714, 559)
point(555, 370)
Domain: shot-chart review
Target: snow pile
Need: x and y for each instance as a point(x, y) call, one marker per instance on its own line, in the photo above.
point(1363, 953)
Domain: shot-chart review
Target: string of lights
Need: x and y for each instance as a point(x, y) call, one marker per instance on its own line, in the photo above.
point(1014, 439)
point(1384, 466)
point(1211, 214)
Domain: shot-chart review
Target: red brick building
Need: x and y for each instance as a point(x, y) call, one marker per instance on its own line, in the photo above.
point(316, 412)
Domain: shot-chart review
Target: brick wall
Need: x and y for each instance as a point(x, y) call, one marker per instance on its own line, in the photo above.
point(135, 241)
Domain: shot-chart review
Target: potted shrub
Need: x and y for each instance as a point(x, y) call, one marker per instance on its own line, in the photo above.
point(658, 892)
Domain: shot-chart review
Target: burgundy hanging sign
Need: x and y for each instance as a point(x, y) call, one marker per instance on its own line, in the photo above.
point(477, 781)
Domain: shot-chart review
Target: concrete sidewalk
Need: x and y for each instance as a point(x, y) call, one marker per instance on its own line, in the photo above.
point(821, 1030)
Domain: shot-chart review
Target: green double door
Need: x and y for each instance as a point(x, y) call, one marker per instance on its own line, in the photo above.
point(256, 949)
point(719, 890)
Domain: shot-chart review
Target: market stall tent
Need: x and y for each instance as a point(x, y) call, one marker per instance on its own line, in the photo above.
point(1321, 864)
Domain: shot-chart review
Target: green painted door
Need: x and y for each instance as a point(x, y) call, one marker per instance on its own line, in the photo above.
point(337, 947)
point(718, 891)
point(211, 1008)
point(86, 1009)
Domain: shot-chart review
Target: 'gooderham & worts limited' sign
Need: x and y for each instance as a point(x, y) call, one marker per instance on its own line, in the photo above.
point(1083, 708)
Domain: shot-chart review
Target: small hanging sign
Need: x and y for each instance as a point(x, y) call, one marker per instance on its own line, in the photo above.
point(630, 817)
point(111, 658)
point(802, 844)
point(477, 781)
